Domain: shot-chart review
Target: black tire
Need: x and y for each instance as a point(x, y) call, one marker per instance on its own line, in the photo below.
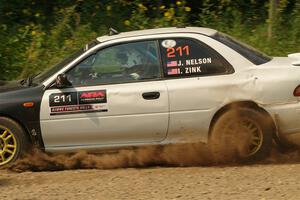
point(12, 134)
point(244, 134)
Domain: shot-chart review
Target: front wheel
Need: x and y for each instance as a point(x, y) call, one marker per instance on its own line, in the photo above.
point(244, 133)
point(13, 141)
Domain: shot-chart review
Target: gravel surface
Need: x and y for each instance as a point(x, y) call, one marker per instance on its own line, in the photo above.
point(264, 181)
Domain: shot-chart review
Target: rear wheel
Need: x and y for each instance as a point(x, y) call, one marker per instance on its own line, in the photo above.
point(13, 141)
point(243, 133)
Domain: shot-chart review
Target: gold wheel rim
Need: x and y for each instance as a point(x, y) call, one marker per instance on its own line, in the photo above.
point(256, 136)
point(8, 146)
point(250, 127)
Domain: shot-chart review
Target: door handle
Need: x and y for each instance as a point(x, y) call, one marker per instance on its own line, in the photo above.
point(151, 95)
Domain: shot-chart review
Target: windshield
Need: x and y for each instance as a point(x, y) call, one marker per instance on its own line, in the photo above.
point(52, 70)
point(250, 53)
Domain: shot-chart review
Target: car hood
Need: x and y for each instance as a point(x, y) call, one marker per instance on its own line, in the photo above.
point(6, 86)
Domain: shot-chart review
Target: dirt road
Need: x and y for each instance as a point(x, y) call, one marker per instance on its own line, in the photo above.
point(129, 175)
point(269, 181)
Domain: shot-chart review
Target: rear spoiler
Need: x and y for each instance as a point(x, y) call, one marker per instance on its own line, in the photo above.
point(296, 58)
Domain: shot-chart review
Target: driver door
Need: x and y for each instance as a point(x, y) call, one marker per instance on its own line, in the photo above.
point(117, 98)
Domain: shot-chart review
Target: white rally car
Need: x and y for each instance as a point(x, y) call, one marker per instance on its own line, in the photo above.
point(152, 87)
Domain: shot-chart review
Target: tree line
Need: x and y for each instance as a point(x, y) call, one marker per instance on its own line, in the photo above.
point(36, 34)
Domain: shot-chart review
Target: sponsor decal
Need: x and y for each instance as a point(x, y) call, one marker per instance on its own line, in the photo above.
point(63, 110)
point(168, 43)
point(89, 97)
point(78, 102)
point(71, 108)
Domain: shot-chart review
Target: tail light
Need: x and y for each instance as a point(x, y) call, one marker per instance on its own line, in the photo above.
point(297, 91)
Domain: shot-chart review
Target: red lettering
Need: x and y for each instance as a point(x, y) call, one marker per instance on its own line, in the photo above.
point(180, 50)
point(87, 95)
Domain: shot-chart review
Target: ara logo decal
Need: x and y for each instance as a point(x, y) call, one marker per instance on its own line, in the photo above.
point(91, 97)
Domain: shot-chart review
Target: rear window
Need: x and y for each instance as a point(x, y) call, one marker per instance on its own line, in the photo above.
point(184, 57)
point(250, 53)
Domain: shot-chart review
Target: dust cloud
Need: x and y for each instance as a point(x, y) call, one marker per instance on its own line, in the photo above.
point(291, 156)
point(179, 155)
point(223, 150)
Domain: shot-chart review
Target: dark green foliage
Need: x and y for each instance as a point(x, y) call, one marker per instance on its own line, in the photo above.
point(36, 34)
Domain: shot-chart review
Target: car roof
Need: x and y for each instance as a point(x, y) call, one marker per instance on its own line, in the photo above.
point(200, 30)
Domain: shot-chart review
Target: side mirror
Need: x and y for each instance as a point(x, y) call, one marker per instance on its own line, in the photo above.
point(62, 81)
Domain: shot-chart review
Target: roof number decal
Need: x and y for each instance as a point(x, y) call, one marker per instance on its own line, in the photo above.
point(168, 43)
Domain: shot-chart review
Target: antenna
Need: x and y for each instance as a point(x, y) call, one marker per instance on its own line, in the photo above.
point(113, 31)
point(181, 25)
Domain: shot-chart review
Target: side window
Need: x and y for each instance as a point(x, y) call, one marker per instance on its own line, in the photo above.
point(185, 57)
point(129, 62)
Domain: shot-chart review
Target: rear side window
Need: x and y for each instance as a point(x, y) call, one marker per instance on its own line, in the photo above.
point(253, 55)
point(186, 57)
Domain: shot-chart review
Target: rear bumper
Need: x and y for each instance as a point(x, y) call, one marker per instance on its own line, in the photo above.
point(287, 119)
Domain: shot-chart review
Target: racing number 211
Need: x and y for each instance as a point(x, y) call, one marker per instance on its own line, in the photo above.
point(180, 50)
point(61, 98)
